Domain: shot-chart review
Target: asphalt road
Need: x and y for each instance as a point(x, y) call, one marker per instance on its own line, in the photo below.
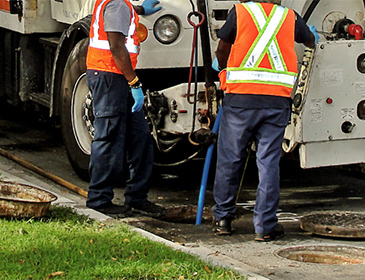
point(38, 141)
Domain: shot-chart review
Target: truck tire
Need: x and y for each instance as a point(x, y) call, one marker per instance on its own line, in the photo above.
point(76, 110)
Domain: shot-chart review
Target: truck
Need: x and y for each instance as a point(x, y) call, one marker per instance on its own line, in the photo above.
point(43, 48)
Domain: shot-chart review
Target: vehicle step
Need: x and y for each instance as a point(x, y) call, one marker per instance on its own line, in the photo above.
point(50, 41)
point(40, 98)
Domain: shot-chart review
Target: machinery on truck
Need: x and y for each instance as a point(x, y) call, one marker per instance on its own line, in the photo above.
point(42, 60)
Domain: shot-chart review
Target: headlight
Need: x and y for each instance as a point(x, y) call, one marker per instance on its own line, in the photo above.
point(166, 29)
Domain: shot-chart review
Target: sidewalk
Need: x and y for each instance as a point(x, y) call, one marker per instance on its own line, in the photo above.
point(330, 190)
point(11, 172)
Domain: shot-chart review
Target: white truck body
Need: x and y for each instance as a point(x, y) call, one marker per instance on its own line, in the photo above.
point(326, 134)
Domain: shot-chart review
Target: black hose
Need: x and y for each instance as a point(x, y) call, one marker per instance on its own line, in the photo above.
point(310, 10)
point(205, 41)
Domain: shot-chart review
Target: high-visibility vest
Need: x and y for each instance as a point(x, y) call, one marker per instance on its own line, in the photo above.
point(262, 59)
point(99, 56)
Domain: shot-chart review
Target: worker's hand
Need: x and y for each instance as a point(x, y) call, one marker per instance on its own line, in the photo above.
point(215, 65)
point(313, 29)
point(149, 7)
point(138, 97)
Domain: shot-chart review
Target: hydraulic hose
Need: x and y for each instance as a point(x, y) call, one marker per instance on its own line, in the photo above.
point(310, 10)
point(206, 48)
point(204, 180)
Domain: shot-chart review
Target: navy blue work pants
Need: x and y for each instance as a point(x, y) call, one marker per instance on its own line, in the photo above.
point(122, 148)
point(238, 127)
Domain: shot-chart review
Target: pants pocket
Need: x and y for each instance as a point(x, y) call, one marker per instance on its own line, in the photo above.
point(106, 128)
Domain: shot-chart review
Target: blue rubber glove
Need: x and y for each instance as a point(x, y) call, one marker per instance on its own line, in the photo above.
point(313, 29)
point(149, 7)
point(138, 97)
point(215, 65)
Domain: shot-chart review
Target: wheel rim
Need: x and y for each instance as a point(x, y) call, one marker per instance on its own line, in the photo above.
point(81, 115)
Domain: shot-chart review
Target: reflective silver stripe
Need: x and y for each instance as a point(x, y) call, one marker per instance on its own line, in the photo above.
point(95, 42)
point(99, 44)
point(131, 47)
point(261, 76)
point(266, 37)
point(104, 45)
point(274, 53)
point(258, 13)
point(275, 56)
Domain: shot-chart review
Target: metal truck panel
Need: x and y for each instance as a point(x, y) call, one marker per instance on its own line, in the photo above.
point(327, 13)
point(175, 55)
point(180, 111)
point(35, 18)
point(320, 154)
point(67, 11)
point(335, 90)
point(153, 53)
point(327, 123)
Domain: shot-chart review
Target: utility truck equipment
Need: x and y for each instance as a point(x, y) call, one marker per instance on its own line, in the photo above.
point(42, 60)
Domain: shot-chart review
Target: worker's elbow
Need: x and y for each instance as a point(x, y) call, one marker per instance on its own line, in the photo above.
point(115, 49)
point(311, 42)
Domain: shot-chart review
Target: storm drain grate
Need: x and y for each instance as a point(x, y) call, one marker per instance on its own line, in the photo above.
point(341, 255)
point(335, 224)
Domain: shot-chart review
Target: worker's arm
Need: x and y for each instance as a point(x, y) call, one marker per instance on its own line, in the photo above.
point(222, 53)
point(310, 42)
point(121, 55)
point(305, 34)
point(227, 36)
point(148, 7)
point(314, 38)
point(123, 61)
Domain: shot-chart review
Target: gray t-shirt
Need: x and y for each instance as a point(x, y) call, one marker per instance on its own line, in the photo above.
point(117, 17)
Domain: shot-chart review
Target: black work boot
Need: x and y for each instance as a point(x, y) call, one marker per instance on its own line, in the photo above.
point(277, 233)
point(223, 227)
point(149, 209)
point(114, 210)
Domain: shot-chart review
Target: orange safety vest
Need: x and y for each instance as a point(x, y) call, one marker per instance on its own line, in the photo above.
point(99, 56)
point(262, 58)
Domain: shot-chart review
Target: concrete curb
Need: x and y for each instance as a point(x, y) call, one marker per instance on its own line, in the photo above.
point(205, 254)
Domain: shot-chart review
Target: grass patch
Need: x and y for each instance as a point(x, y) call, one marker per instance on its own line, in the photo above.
point(65, 245)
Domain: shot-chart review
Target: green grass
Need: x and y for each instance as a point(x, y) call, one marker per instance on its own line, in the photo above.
point(65, 245)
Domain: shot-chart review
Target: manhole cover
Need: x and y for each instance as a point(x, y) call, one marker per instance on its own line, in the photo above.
point(335, 224)
point(342, 255)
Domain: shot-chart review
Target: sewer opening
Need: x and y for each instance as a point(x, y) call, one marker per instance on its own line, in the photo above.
point(185, 214)
point(341, 255)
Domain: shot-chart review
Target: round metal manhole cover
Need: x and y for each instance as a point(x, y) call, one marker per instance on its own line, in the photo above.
point(335, 224)
point(341, 255)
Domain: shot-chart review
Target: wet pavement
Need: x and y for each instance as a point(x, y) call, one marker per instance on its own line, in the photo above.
point(303, 192)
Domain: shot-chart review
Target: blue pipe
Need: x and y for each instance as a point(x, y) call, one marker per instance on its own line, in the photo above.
point(204, 180)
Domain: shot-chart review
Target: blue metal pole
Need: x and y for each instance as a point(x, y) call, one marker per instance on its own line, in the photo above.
point(204, 180)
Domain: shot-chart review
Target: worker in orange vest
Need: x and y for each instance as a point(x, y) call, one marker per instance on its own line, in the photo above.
point(258, 69)
point(122, 139)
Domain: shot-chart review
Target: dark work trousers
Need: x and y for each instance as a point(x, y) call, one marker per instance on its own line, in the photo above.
point(238, 126)
point(122, 140)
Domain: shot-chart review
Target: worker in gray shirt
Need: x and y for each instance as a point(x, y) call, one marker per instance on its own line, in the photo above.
point(122, 137)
